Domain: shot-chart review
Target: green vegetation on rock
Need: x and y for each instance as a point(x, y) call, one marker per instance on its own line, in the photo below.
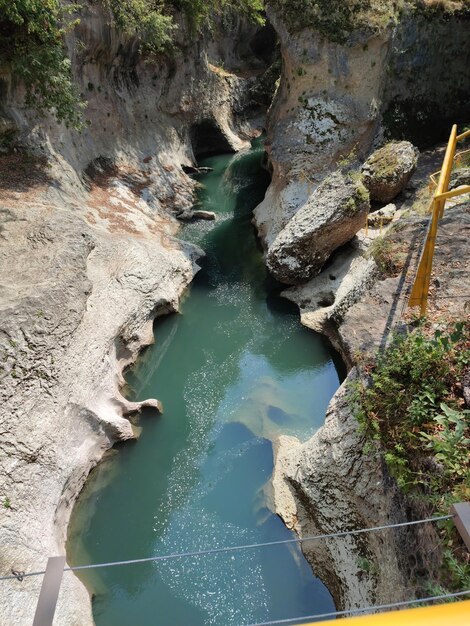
point(32, 44)
point(146, 19)
point(411, 408)
point(32, 40)
point(152, 21)
point(336, 19)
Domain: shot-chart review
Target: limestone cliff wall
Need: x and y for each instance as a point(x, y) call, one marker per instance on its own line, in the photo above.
point(138, 109)
point(334, 100)
point(427, 85)
point(335, 481)
point(327, 486)
point(89, 259)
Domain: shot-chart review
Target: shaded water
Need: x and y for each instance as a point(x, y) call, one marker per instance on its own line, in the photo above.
point(234, 370)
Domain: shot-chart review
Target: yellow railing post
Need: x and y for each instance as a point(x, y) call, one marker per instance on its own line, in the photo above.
point(420, 291)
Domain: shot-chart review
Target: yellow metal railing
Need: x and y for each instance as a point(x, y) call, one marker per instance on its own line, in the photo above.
point(420, 290)
point(451, 614)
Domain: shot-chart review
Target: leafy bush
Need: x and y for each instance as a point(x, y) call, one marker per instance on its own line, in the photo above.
point(152, 20)
point(449, 443)
point(410, 406)
point(147, 20)
point(32, 43)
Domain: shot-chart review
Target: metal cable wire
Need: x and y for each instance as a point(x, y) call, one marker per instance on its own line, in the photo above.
point(295, 540)
point(392, 605)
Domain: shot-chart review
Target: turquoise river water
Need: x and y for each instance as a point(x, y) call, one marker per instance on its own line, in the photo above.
point(234, 370)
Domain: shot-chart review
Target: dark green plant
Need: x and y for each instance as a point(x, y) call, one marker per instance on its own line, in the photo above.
point(152, 20)
point(149, 20)
point(449, 443)
point(409, 404)
point(458, 571)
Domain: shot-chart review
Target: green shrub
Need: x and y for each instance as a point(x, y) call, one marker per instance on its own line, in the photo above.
point(410, 405)
point(145, 19)
point(152, 20)
point(32, 44)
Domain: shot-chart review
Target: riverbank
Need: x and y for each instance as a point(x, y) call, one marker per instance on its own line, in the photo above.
point(89, 218)
point(365, 309)
point(89, 259)
point(78, 304)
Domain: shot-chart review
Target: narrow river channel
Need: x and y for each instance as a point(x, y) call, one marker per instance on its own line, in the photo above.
point(234, 370)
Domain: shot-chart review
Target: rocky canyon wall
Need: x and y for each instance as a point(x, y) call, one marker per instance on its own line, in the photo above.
point(334, 104)
point(336, 99)
point(89, 259)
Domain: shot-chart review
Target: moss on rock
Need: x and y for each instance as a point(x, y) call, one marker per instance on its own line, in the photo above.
point(387, 171)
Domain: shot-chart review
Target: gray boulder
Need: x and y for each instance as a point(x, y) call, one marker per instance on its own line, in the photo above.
point(388, 170)
point(331, 217)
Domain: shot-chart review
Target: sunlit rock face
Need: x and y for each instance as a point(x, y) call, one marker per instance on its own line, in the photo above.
point(387, 171)
point(331, 217)
point(335, 101)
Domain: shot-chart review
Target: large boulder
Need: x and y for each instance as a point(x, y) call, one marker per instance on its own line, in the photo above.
point(332, 216)
point(388, 170)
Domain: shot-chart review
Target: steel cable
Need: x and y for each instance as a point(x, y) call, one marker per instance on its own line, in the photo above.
point(392, 605)
point(180, 555)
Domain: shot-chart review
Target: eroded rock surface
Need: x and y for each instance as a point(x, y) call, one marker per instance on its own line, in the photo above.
point(327, 485)
point(334, 98)
point(388, 170)
point(459, 177)
point(88, 260)
point(382, 216)
point(77, 304)
point(330, 483)
point(331, 217)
